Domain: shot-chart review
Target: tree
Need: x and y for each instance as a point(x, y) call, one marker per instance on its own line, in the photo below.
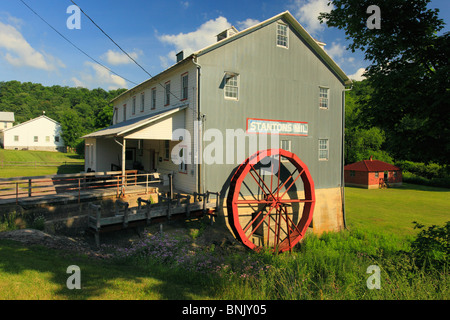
point(408, 71)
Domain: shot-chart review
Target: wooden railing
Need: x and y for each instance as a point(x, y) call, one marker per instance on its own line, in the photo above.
point(73, 184)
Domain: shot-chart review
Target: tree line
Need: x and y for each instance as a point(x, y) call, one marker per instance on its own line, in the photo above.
point(78, 110)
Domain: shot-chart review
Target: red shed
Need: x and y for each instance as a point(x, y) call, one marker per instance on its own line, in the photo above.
point(372, 174)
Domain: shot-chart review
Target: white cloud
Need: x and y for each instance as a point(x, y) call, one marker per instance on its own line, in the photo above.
point(242, 25)
point(97, 76)
point(115, 58)
point(336, 51)
point(307, 12)
point(358, 75)
point(18, 52)
point(185, 4)
point(190, 42)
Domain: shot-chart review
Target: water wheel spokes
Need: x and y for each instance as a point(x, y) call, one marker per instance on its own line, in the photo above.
point(271, 206)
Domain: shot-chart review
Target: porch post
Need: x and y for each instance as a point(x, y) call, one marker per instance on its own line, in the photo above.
point(123, 162)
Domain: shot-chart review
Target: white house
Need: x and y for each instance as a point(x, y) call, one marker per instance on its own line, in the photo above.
point(41, 133)
point(6, 120)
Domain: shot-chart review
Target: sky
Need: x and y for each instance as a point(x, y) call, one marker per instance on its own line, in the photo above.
point(151, 32)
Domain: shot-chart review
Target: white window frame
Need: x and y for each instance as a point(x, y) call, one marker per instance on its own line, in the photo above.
point(282, 39)
point(327, 149)
point(16, 138)
point(125, 112)
point(231, 86)
point(324, 100)
point(36, 139)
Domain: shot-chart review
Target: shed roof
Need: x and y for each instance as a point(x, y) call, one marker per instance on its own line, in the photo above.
point(371, 166)
point(121, 128)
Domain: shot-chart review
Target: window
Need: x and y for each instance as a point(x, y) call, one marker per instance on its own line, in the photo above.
point(282, 35)
point(323, 98)
point(124, 112)
point(133, 106)
point(142, 101)
point(184, 86)
point(5, 124)
point(377, 174)
point(56, 138)
point(47, 138)
point(16, 138)
point(231, 86)
point(153, 98)
point(285, 145)
point(352, 173)
point(36, 139)
point(167, 94)
point(167, 149)
point(323, 149)
point(116, 115)
point(183, 164)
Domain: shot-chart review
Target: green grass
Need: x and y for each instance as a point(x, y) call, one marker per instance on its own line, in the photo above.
point(393, 210)
point(38, 156)
point(39, 273)
point(332, 266)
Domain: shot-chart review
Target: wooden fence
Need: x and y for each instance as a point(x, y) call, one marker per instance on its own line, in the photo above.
point(16, 188)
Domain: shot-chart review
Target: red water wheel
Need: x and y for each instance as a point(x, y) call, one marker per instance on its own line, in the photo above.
point(271, 200)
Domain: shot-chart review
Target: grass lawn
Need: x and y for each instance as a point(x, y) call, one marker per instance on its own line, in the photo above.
point(332, 266)
point(38, 156)
point(39, 273)
point(393, 210)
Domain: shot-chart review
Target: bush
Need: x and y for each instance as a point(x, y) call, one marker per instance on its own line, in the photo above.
point(431, 174)
point(431, 247)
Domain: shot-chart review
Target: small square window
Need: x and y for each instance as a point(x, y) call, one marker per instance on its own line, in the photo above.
point(323, 149)
point(36, 139)
point(56, 138)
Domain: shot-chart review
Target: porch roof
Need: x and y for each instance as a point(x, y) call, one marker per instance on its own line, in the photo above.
point(125, 127)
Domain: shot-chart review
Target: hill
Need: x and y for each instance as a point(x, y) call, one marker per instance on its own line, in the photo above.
point(78, 110)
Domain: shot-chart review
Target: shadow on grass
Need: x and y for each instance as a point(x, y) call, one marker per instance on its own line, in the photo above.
point(419, 187)
point(100, 279)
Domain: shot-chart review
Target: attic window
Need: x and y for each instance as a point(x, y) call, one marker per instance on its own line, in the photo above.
point(282, 35)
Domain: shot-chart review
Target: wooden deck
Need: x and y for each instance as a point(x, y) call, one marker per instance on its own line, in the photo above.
point(180, 206)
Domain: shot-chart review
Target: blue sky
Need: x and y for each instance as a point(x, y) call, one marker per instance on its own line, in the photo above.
point(150, 31)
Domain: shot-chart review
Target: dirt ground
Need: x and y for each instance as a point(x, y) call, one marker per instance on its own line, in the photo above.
point(221, 237)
